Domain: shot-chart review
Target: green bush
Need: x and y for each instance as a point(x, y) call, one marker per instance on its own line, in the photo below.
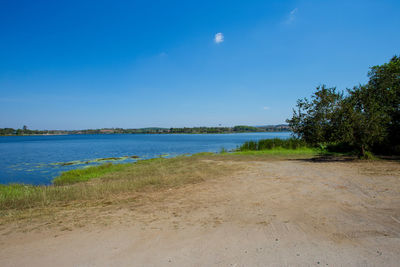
point(368, 156)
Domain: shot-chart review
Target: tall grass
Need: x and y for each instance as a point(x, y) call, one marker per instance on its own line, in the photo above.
point(276, 143)
point(281, 152)
point(111, 181)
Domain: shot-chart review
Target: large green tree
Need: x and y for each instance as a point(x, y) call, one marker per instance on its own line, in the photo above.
point(367, 118)
point(361, 120)
point(384, 88)
point(373, 110)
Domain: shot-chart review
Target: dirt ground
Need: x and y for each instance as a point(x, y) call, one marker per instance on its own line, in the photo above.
point(274, 213)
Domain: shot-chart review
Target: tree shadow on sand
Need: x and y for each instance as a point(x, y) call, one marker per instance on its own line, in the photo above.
point(328, 158)
point(344, 158)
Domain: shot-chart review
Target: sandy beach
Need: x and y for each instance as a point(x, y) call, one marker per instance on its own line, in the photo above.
point(272, 213)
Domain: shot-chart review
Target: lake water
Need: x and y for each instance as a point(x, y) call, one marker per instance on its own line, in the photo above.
point(38, 159)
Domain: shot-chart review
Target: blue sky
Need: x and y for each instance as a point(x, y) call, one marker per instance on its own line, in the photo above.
point(93, 64)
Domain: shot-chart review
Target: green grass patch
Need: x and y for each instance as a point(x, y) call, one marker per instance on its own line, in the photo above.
point(83, 175)
point(278, 147)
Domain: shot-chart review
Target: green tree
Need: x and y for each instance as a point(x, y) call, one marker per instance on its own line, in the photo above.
point(361, 120)
point(372, 111)
point(315, 120)
point(384, 88)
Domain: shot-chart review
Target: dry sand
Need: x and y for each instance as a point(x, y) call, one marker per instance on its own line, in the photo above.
point(275, 213)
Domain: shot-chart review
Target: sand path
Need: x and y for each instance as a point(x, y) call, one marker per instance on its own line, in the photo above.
point(275, 213)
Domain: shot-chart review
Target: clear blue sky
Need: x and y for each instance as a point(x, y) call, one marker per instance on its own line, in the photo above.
point(93, 64)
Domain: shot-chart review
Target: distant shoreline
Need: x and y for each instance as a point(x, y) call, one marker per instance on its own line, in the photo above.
point(150, 130)
point(137, 133)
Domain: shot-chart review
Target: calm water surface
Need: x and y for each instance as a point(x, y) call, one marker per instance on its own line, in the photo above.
point(38, 159)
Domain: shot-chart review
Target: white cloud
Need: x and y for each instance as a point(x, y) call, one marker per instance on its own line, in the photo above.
point(219, 38)
point(292, 16)
point(266, 108)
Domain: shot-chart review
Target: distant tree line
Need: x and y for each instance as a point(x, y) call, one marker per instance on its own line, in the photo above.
point(153, 130)
point(365, 118)
point(26, 131)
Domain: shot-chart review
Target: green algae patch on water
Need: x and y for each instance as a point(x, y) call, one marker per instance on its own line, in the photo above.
point(83, 175)
point(83, 162)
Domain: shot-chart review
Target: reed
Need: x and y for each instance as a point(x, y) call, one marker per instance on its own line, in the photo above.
point(276, 143)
